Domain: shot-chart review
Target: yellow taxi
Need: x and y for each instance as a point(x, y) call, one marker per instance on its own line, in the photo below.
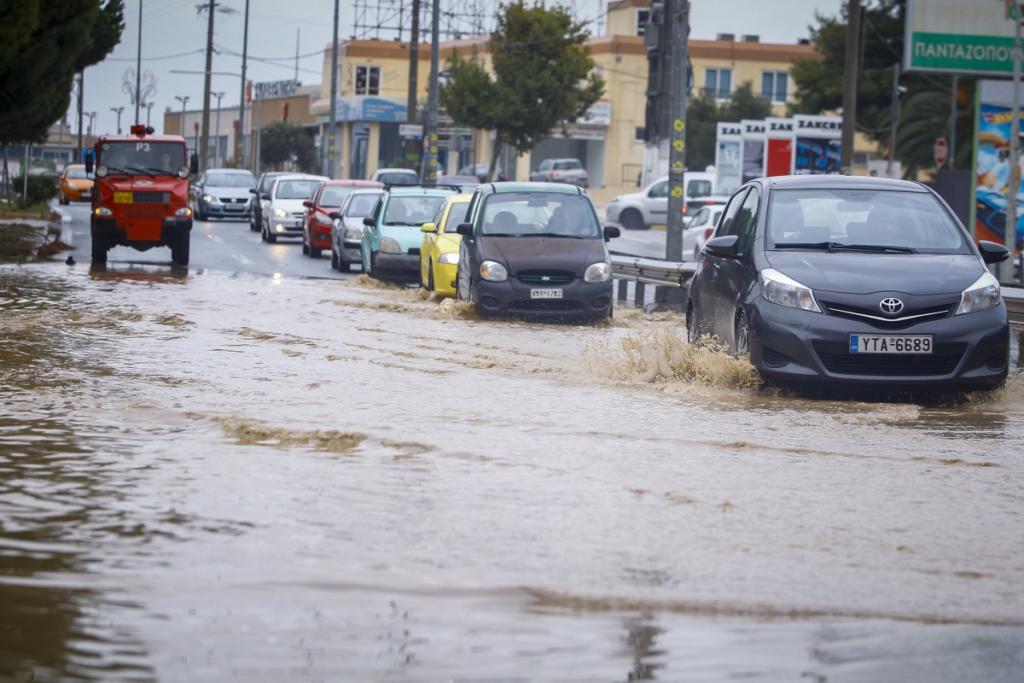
point(74, 185)
point(439, 253)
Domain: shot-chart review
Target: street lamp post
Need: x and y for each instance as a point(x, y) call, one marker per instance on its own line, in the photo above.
point(184, 100)
point(118, 111)
point(216, 130)
point(149, 110)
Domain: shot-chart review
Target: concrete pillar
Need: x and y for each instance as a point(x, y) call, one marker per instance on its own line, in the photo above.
point(343, 143)
point(523, 167)
point(373, 149)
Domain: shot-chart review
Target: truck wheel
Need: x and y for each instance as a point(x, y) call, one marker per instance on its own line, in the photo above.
point(180, 249)
point(313, 251)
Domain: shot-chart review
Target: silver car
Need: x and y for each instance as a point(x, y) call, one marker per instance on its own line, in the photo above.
point(284, 211)
point(347, 232)
point(700, 229)
point(222, 193)
point(561, 171)
point(641, 210)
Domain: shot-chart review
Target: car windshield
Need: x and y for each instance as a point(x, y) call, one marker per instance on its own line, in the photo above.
point(398, 178)
point(456, 216)
point(334, 195)
point(296, 189)
point(78, 173)
point(142, 157)
point(230, 180)
point(267, 181)
point(414, 210)
point(360, 205)
point(862, 220)
point(540, 214)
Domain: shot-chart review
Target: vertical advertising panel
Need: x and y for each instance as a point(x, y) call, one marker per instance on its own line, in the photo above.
point(753, 148)
point(779, 147)
point(818, 144)
point(992, 166)
point(728, 158)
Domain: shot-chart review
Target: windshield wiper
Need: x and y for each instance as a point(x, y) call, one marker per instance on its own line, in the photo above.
point(839, 246)
point(556, 234)
point(402, 223)
point(138, 169)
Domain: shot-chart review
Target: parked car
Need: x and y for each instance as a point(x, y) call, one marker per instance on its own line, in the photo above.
point(641, 210)
point(74, 185)
point(222, 193)
point(396, 176)
point(480, 171)
point(699, 231)
point(465, 183)
point(347, 233)
point(317, 224)
point(849, 280)
point(390, 247)
point(693, 207)
point(535, 249)
point(261, 196)
point(284, 211)
point(439, 252)
point(561, 171)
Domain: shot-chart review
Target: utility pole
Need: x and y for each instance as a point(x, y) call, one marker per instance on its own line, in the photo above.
point(204, 144)
point(952, 123)
point(184, 100)
point(81, 115)
point(327, 167)
point(412, 146)
point(242, 149)
point(430, 131)
point(298, 32)
point(216, 132)
point(850, 74)
point(894, 117)
point(656, 39)
point(149, 111)
point(92, 120)
point(138, 68)
point(680, 23)
point(1011, 195)
point(118, 110)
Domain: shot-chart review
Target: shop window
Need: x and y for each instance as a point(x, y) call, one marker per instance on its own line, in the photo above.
point(718, 83)
point(367, 80)
point(774, 85)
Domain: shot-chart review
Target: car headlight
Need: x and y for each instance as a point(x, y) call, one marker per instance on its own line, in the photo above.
point(389, 245)
point(449, 259)
point(353, 234)
point(207, 198)
point(781, 289)
point(72, 186)
point(103, 211)
point(493, 271)
point(183, 171)
point(183, 212)
point(984, 293)
point(597, 272)
point(280, 213)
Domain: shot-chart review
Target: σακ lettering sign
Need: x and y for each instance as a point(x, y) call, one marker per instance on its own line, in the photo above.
point(962, 36)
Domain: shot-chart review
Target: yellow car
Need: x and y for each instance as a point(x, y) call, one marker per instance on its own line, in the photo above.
point(439, 253)
point(75, 185)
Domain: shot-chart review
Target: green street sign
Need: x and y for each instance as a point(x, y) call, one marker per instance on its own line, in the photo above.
point(954, 36)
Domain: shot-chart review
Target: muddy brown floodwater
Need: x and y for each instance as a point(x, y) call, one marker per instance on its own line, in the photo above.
point(219, 477)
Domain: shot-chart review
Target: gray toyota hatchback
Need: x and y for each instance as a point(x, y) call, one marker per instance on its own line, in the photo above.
point(840, 279)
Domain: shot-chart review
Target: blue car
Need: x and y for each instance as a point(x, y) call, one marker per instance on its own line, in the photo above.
point(390, 248)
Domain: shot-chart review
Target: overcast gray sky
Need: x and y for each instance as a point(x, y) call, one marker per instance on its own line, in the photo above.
point(174, 37)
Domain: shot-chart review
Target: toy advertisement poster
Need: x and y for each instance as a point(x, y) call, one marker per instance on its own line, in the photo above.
point(992, 175)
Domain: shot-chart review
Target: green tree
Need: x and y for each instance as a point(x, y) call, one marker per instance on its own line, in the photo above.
point(43, 44)
point(281, 143)
point(703, 113)
point(543, 76)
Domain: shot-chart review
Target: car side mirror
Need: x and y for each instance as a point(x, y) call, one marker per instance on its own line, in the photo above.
point(465, 229)
point(429, 227)
point(308, 203)
point(335, 215)
point(724, 246)
point(993, 252)
point(369, 221)
point(265, 195)
point(88, 163)
point(611, 232)
point(253, 190)
point(193, 164)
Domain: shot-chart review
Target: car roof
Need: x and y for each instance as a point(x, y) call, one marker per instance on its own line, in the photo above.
point(463, 198)
point(354, 183)
point(396, 170)
point(557, 188)
point(302, 176)
point(413, 190)
point(235, 171)
point(367, 190)
point(839, 182)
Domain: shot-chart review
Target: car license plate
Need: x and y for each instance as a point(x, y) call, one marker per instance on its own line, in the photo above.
point(891, 343)
point(545, 294)
point(122, 197)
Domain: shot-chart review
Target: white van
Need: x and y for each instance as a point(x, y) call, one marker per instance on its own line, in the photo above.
point(641, 210)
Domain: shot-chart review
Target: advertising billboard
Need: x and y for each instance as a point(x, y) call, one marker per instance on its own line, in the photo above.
point(992, 166)
point(817, 144)
point(728, 158)
point(779, 147)
point(963, 36)
point(753, 148)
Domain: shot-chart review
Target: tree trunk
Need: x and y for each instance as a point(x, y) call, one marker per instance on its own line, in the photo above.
point(495, 153)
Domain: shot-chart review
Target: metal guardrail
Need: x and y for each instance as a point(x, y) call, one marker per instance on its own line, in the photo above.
point(644, 271)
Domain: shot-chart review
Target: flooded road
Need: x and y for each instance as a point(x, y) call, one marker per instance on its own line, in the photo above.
point(213, 476)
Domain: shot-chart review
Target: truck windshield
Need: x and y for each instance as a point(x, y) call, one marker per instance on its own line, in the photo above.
point(141, 157)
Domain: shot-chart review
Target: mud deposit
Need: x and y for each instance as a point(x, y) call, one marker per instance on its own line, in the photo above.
point(212, 477)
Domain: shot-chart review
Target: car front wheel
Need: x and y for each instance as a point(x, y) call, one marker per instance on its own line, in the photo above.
point(632, 219)
point(741, 335)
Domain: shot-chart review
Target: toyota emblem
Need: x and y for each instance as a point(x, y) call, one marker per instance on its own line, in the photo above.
point(545, 278)
point(890, 305)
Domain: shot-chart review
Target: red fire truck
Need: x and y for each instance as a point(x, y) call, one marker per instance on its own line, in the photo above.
point(140, 197)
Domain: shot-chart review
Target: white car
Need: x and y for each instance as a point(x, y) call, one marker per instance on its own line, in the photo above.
point(348, 228)
point(701, 228)
point(641, 210)
point(284, 212)
point(396, 176)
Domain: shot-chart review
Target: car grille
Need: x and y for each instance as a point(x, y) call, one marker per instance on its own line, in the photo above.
point(528, 305)
point(150, 197)
point(875, 317)
point(232, 200)
point(299, 214)
point(837, 359)
point(537, 277)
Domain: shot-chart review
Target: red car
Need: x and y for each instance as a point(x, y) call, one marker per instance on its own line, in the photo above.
point(317, 223)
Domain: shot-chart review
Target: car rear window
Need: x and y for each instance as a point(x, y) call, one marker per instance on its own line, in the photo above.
point(698, 188)
point(398, 178)
point(570, 165)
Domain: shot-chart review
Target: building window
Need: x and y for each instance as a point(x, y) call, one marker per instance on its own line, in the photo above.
point(640, 134)
point(642, 17)
point(718, 83)
point(367, 80)
point(774, 85)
